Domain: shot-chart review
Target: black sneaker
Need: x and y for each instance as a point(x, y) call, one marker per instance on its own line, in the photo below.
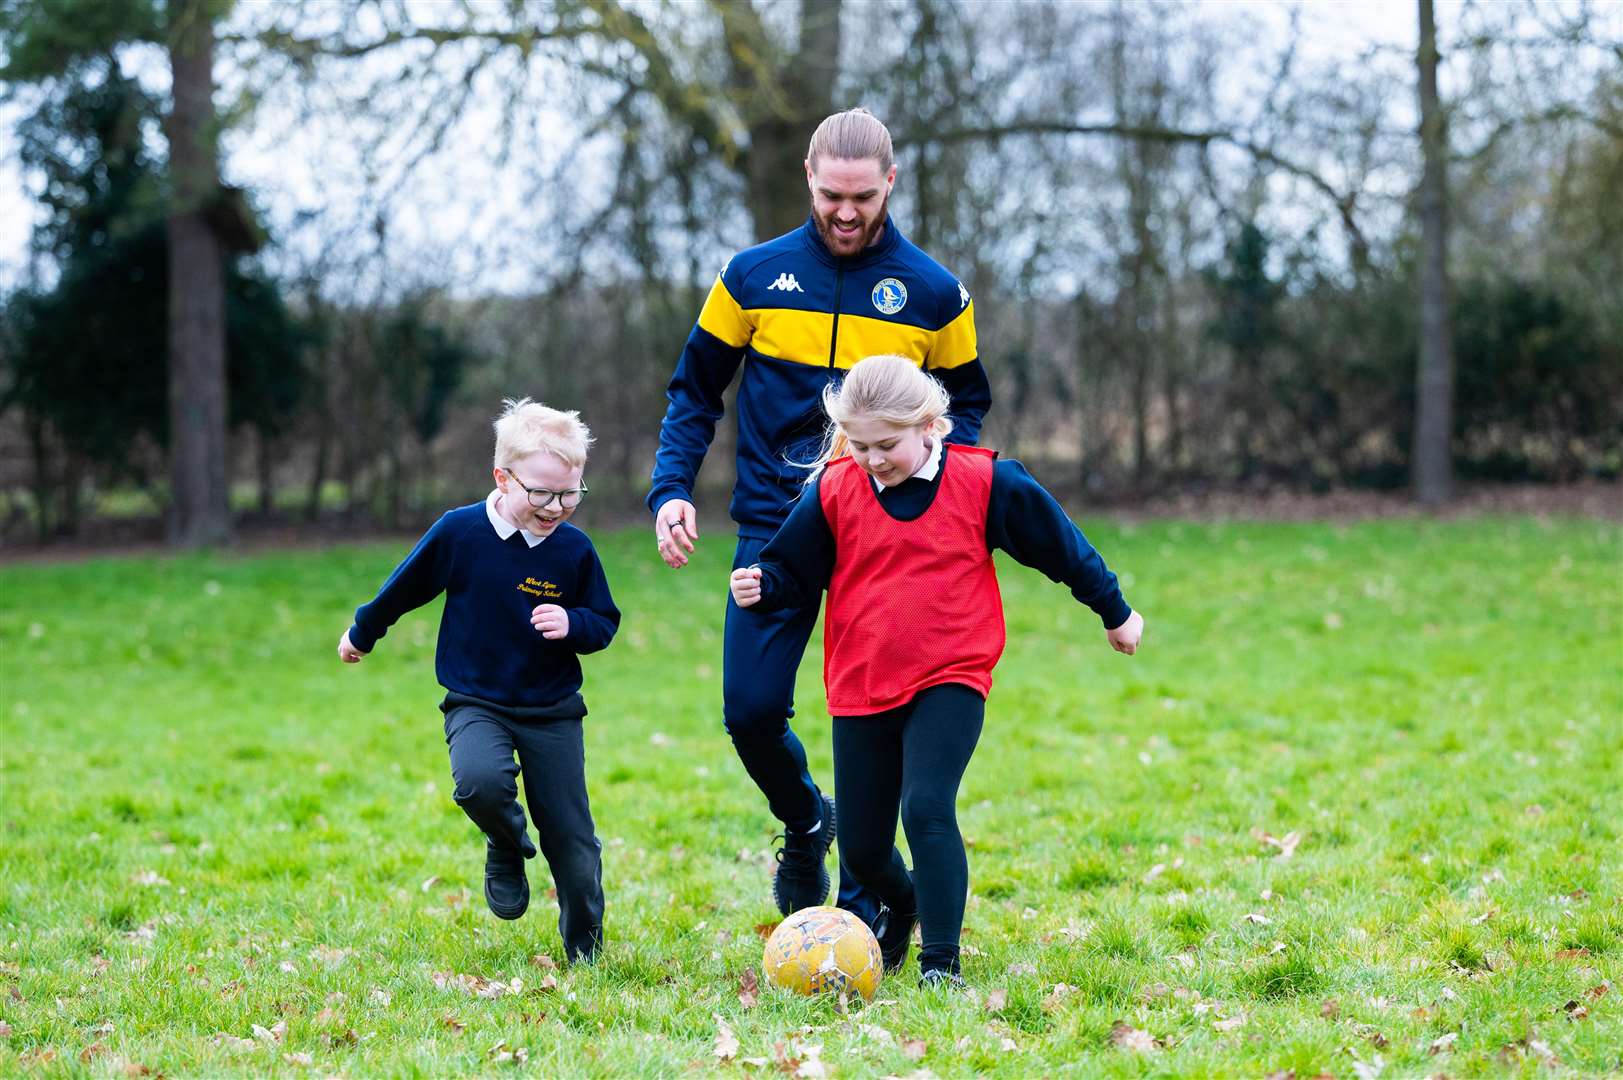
point(895, 933)
point(507, 890)
point(941, 978)
point(802, 879)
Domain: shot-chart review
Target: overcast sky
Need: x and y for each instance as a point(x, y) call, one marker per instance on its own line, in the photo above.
point(289, 168)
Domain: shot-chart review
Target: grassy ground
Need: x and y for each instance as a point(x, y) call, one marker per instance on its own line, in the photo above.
point(1353, 809)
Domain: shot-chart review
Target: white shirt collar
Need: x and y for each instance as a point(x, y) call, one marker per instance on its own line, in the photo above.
point(927, 471)
point(504, 528)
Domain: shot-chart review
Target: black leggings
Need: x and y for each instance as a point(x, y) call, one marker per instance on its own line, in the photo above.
point(910, 760)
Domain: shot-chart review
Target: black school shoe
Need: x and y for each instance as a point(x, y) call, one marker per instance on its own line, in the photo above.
point(802, 879)
point(941, 979)
point(894, 930)
point(507, 890)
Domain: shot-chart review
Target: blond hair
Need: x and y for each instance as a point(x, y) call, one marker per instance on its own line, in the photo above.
point(528, 427)
point(852, 135)
point(892, 389)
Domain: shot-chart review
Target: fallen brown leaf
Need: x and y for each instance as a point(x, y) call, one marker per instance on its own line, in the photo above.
point(501, 1055)
point(996, 1000)
point(457, 1026)
point(1571, 954)
point(1124, 1036)
point(1329, 1009)
point(764, 930)
point(1286, 844)
point(726, 1042)
point(748, 988)
point(92, 1052)
point(1442, 1044)
point(542, 960)
point(914, 1048)
point(1595, 993)
point(274, 1034)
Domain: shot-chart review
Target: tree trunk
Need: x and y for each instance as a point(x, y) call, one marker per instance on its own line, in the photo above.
point(318, 475)
point(42, 477)
point(267, 475)
point(1431, 463)
point(783, 116)
point(200, 509)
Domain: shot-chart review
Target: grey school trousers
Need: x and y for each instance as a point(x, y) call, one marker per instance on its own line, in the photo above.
point(483, 740)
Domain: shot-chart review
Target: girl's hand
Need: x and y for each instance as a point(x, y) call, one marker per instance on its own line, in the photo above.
point(1124, 638)
point(551, 620)
point(348, 653)
point(746, 586)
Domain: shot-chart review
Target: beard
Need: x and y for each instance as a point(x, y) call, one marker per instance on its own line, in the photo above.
point(847, 246)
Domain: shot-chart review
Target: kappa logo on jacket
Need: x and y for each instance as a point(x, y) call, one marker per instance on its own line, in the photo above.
point(787, 283)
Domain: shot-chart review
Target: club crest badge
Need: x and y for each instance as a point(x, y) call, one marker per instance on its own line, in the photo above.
point(889, 296)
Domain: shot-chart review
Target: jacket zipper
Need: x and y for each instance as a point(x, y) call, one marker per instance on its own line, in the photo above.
point(834, 332)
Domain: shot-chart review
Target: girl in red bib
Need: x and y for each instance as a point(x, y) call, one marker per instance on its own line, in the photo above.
point(900, 527)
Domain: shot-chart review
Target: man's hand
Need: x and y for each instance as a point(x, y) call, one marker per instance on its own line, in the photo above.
point(551, 620)
point(1124, 638)
point(348, 653)
point(746, 586)
point(676, 526)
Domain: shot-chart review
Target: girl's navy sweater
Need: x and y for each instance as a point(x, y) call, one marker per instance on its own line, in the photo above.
point(1022, 518)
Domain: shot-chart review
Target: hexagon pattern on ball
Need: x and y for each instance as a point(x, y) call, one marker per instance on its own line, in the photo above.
point(823, 950)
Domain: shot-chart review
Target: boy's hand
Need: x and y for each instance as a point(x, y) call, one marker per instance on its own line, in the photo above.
point(676, 526)
point(746, 585)
point(551, 620)
point(1124, 638)
point(348, 653)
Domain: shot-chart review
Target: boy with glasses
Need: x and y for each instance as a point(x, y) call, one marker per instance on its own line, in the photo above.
point(525, 596)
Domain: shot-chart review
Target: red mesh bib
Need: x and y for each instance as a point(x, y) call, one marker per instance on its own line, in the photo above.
point(911, 604)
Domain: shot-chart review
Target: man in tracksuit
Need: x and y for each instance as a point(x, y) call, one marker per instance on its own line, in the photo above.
point(797, 312)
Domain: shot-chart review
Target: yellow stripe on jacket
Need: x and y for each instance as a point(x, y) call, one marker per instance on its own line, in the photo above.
point(802, 337)
point(723, 317)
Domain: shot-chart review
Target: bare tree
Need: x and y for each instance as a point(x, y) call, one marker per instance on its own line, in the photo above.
point(200, 508)
point(1431, 461)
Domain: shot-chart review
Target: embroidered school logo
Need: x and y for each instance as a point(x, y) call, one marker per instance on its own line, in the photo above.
point(889, 296)
point(787, 283)
point(546, 590)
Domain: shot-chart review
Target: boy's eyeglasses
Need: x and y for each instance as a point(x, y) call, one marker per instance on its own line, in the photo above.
point(541, 498)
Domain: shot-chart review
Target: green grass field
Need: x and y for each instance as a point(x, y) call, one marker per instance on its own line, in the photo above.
point(1353, 809)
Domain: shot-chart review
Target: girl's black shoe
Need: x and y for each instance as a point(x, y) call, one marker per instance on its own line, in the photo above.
point(939, 978)
point(894, 931)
